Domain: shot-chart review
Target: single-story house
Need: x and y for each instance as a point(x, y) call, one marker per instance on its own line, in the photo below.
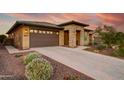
point(28, 34)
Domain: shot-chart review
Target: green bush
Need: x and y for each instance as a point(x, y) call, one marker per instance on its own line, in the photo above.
point(119, 52)
point(39, 69)
point(2, 38)
point(100, 46)
point(30, 57)
point(71, 77)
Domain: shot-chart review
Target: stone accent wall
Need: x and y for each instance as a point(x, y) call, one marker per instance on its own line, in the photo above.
point(82, 37)
point(25, 37)
point(72, 37)
point(61, 37)
point(72, 34)
point(86, 38)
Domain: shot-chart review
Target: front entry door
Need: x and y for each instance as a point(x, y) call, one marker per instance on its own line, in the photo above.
point(66, 37)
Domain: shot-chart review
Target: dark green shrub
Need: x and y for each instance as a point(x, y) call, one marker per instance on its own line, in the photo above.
point(119, 52)
point(100, 46)
point(38, 69)
point(18, 55)
point(30, 57)
point(2, 38)
point(71, 77)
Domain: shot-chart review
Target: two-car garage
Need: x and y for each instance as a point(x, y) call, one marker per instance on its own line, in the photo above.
point(42, 38)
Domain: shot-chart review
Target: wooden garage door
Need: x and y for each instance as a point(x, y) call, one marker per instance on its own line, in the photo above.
point(44, 39)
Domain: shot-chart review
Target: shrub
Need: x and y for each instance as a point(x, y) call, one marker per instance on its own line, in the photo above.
point(71, 77)
point(30, 57)
point(18, 55)
point(100, 46)
point(38, 69)
point(119, 52)
point(2, 38)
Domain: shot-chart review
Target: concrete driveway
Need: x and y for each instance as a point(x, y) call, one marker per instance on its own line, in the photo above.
point(92, 64)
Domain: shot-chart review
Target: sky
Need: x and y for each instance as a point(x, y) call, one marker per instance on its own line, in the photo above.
point(93, 19)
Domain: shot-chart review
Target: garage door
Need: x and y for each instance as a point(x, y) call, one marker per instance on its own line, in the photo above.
point(44, 38)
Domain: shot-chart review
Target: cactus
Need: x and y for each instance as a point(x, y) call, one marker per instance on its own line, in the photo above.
point(30, 57)
point(38, 69)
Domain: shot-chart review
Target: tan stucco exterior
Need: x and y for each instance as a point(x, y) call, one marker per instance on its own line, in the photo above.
point(21, 36)
point(16, 35)
point(25, 37)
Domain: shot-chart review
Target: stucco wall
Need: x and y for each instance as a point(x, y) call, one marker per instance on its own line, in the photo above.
point(25, 37)
point(20, 36)
point(16, 35)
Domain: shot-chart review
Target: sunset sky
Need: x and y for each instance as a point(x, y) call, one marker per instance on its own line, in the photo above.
point(8, 19)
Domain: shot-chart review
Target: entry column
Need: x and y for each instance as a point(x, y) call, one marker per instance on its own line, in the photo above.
point(72, 37)
point(82, 37)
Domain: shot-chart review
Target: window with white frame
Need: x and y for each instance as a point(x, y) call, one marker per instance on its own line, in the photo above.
point(48, 32)
point(31, 31)
point(35, 31)
point(51, 32)
point(44, 32)
point(40, 31)
point(57, 33)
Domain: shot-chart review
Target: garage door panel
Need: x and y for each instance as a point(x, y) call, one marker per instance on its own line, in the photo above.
point(41, 40)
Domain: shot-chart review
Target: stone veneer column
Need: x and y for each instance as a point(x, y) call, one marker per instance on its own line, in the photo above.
point(61, 37)
point(82, 37)
point(72, 37)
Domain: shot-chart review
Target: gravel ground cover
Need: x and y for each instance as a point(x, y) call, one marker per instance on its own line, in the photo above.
point(12, 67)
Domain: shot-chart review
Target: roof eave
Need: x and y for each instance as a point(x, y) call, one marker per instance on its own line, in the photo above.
point(20, 23)
point(73, 22)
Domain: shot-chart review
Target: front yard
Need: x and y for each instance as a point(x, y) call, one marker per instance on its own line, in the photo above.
point(105, 51)
point(12, 67)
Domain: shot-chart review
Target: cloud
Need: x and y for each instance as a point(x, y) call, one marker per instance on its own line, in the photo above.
point(19, 15)
point(113, 18)
point(93, 19)
point(51, 17)
point(116, 19)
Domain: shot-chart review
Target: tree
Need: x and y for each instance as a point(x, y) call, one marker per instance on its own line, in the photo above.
point(2, 38)
point(110, 36)
point(119, 39)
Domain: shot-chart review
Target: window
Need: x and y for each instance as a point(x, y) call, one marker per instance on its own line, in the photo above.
point(31, 31)
point(51, 32)
point(44, 32)
point(48, 32)
point(35, 31)
point(57, 33)
point(40, 31)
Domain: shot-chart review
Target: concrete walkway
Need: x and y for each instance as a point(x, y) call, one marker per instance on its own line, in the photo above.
point(92, 64)
point(13, 50)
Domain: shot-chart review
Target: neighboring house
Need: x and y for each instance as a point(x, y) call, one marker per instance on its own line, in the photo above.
point(28, 34)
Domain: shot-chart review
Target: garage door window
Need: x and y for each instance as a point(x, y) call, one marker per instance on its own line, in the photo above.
point(31, 31)
point(35, 31)
point(51, 32)
point(40, 31)
point(48, 32)
point(44, 32)
point(57, 33)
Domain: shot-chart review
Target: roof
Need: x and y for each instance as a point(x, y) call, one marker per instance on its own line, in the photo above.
point(87, 29)
point(73, 22)
point(34, 23)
